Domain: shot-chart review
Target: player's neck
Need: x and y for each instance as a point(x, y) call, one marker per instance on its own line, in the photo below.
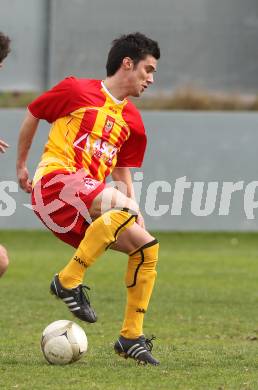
point(117, 87)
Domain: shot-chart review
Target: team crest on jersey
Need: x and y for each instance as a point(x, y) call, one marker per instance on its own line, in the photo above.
point(109, 124)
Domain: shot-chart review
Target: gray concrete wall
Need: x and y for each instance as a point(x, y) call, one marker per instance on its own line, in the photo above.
point(212, 44)
point(25, 21)
point(202, 147)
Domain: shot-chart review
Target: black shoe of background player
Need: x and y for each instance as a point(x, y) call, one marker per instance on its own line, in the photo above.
point(138, 349)
point(76, 299)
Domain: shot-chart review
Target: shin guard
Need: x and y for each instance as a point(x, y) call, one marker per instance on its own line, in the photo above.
point(140, 279)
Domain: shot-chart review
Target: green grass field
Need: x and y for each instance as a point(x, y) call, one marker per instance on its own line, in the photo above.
point(204, 312)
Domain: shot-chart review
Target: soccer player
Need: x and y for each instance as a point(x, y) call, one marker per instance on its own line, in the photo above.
point(4, 47)
point(96, 131)
point(3, 146)
point(4, 50)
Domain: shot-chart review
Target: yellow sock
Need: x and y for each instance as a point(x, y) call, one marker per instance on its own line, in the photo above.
point(98, 237)
point(140, 279)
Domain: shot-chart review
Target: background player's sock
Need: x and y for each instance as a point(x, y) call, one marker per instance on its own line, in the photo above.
point(140, 279)
point(98, 237)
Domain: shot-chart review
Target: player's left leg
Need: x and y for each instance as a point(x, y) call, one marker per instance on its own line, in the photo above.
point(4, 261)
point(140, 278)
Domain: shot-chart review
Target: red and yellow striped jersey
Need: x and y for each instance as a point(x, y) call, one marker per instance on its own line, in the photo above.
point(90, 129)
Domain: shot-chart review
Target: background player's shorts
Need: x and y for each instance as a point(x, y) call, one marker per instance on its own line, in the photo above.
point(62, 199)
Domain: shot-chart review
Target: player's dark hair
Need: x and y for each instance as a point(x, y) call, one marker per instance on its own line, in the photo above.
point(4, 46)
point(136, 46)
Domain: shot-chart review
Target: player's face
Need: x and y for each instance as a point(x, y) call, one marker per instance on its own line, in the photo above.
point(142, 75)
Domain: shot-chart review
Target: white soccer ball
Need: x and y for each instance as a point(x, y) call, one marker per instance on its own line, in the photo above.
point(63, 342)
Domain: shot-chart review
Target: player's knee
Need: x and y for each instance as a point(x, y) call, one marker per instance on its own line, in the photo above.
point(109, 199)
point(132, 206)
point(128, 205)
point(151, 248)
point(142, 264)
point(4, 261)
point(151, 254)
point(120, 201)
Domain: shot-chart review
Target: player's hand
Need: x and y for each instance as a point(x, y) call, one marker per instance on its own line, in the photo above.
point(3, 146)
point(140, 220)
point(23, 178)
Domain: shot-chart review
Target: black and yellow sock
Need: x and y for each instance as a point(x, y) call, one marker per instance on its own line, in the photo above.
point(98, 237)
point(140, 279)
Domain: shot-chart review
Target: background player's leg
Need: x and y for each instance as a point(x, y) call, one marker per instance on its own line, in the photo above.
point(4, 261)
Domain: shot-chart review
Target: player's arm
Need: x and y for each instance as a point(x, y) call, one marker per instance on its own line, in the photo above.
point(124, 175)
point(3, 146)
point(51, 105)
point(27, 132)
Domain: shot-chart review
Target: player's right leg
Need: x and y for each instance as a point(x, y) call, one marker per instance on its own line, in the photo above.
point(112, 213)
point(106, 227)
point(4, 261)
point(101, 233)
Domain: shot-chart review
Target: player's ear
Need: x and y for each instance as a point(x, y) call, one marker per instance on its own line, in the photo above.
point(127, 63)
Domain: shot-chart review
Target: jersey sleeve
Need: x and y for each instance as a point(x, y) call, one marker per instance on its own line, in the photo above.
point(132, 151)
point(58, 102)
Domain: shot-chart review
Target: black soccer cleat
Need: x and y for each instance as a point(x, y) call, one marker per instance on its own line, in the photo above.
point(76, 299)
point(137, 349)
